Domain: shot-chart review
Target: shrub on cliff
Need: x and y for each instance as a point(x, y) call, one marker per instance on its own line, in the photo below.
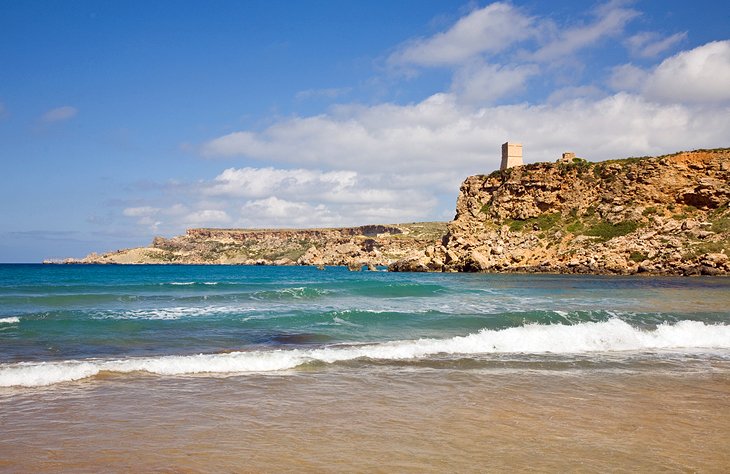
point(606, 231)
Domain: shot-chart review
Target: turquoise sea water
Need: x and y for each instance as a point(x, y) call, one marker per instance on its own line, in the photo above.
point(64, 323)
point(293, 369)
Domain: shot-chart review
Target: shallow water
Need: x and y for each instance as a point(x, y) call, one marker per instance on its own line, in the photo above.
point(194, 369)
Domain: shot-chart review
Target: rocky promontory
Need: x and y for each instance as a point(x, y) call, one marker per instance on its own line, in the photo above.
point(665, 215)
point(356, 247)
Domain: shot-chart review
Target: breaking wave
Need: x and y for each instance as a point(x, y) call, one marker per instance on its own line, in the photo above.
point(608, 336)
point(10, 320)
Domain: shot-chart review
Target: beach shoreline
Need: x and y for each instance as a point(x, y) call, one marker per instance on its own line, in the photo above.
point(375, 421)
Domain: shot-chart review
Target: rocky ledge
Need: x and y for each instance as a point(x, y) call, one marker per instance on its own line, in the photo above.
point(665, 215)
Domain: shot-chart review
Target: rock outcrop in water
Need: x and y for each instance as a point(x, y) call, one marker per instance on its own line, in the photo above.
point(655, 215)
point(356, 247)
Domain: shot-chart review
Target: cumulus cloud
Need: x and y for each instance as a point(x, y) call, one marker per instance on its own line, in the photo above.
point(311, 197)
point(439, 134)
point(276, 212)
point(701, 75)
point(649, 44)
point(260, 182)
point(489, 29)
point(59, 114)
point(278, 197)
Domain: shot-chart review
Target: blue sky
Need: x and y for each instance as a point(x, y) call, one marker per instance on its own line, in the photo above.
point(124, 120)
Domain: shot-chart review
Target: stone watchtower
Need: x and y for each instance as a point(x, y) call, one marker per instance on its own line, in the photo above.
point(511, 155)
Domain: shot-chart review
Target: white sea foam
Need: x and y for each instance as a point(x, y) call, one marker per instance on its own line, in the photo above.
point(609, 336)
point(173, 312)
point(10, 320)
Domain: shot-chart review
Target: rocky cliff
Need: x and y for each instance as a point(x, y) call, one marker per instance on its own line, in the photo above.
point(370, 245)
point(657, 215)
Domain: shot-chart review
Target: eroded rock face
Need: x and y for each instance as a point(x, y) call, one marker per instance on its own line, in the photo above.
point(661, 215)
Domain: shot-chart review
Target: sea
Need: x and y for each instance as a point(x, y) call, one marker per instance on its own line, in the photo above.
point(206, 368)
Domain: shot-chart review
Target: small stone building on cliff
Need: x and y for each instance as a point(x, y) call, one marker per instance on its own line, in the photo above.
point(511, 155)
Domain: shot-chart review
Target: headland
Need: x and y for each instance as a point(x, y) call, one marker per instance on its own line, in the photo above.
point(663, 215)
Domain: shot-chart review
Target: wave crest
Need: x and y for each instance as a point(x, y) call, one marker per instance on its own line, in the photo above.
point(608, 336)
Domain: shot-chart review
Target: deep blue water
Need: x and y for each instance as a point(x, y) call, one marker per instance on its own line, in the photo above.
point(60, 319)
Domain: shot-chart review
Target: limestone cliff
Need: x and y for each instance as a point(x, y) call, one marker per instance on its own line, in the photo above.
point(370, 245)
point(657, 215)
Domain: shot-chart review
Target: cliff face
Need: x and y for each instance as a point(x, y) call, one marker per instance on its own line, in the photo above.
point(662, 215)
point(369, 245)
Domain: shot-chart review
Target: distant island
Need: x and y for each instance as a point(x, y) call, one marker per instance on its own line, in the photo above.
point(664, 215)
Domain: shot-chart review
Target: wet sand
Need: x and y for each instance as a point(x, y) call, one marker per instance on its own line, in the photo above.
point(375, 419)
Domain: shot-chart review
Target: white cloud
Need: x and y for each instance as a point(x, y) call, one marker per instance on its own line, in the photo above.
point(571, 93)
point(611, 19)
point(439, 135)
point(317, 198)
point(649, 44)
point(701, 75)
point(59, 114)
point(275, 212)
point(480, 83)
point(260, 182)
point(489, 29)
point(294, 198)
point(627, 77)
point(497, 49)
point(207, 217)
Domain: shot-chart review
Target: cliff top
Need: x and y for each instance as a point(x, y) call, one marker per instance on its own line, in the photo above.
point(698, 155)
